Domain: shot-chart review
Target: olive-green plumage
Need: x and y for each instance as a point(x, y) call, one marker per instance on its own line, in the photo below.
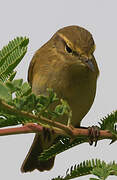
point(67, 65)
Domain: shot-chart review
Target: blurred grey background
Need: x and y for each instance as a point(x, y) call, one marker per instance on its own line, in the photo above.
point(39, 20)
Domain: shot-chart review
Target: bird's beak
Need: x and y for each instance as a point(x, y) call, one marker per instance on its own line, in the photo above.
point(88, 63)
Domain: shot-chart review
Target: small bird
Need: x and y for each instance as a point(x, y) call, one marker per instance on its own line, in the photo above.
point(67, 65)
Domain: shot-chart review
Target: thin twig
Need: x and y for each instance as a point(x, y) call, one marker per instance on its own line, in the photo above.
point(34, 128)
point(12, 110)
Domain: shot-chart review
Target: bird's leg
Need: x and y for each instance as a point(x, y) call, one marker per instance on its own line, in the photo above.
point(48, 133)
point(94, 134)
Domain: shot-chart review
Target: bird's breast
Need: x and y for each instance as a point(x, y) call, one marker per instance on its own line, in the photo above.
point(79, 94)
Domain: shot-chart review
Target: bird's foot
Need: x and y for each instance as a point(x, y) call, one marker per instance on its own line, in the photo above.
point(94, 134)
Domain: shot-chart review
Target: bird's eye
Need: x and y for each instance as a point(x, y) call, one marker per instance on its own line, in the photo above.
point(68, 49)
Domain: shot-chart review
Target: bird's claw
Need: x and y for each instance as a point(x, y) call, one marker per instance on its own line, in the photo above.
point(94, 134)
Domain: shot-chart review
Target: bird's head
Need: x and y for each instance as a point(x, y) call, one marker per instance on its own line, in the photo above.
point(76, 45)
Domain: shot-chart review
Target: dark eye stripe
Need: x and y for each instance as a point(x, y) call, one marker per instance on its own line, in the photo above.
point(68, 49)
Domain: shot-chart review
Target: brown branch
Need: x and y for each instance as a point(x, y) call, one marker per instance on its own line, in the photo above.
point(27, 128)
point(34, 128)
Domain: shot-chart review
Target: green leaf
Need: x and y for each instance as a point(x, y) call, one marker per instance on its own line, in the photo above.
point(101, 172)
point(43, 100)
point(18, 83)
point(20, 88)
point(12, 76)
point(10, 56)
point(109, 123)
point(62, 108)
point(12, 45)
point(11, 62)
point(14, 85)
point(52, 95)
point(10, 86)
point(60, 145)
point(4, 93)
point(26, 103)
point(95, 167)
point(59, 178)
point(25, 89)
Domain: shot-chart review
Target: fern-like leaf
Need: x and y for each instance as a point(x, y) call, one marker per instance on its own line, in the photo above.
point(11, 62)
point(10, 120)
point(61, 144)
point(10, 56)
point(12, 45)
point(12, 76)
point(96, 167)
point(109, 123)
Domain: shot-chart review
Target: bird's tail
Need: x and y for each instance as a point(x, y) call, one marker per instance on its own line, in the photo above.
point(31, 161)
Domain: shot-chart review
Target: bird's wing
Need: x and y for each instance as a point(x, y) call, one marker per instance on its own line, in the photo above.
point(30, 70)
